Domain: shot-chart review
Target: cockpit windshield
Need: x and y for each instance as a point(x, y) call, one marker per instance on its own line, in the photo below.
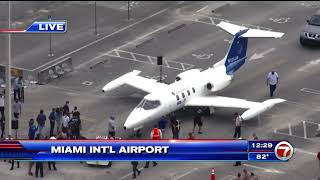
point(148, 104)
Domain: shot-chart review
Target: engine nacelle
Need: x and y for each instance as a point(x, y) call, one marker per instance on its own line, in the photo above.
point(218, 85)
point(264, 106)
point(188, 74)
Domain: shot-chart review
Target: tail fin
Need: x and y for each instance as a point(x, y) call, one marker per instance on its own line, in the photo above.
point(237, 53)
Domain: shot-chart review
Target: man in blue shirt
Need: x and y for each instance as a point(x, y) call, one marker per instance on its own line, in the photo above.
point(41, 119)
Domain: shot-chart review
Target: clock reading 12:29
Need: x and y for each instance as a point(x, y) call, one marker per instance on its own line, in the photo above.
point(261, 145)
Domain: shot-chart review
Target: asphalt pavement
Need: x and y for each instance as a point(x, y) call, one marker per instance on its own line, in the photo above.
point(124, 45)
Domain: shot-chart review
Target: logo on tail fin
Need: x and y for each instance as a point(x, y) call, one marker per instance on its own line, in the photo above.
point(237, 53)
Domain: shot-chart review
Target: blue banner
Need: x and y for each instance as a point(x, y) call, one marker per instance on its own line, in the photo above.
point(138, 150)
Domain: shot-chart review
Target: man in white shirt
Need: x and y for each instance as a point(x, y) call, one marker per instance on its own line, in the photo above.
point(272, 81)
point(65, 127)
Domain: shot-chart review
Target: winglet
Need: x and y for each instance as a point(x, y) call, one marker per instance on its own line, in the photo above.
point(120, 81)
point(252, 33)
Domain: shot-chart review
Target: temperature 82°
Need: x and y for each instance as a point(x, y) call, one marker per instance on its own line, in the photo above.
point(262, 156)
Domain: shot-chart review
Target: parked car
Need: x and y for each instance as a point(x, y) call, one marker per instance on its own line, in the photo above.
point(311, 31)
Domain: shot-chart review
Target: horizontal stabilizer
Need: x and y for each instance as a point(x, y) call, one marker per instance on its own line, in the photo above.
point(138, 82)
point(262, 107)
point(120, 81)
point(251, 33)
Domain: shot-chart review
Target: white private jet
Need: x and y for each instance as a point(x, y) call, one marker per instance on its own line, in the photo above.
point(193, 87)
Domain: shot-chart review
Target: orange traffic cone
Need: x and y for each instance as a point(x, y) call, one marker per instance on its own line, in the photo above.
point(213, 175)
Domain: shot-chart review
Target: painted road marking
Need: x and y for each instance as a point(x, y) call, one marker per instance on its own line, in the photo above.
point(256, 56)
point(312, 91)
point(186, 173)
point(203, 56)
point(280, 20)
point(88, 83)
point(306, 152)
point(309, 65)
point(211, 21)
point(149, 59)
point(122, 46)
point(202, 9)
point(98, 40)
point(265, 169)
point(127, 175)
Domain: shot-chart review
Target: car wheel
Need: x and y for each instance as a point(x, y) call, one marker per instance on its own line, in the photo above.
point(302, 42)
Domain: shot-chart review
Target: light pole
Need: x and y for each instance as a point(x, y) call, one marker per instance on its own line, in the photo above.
point(50, 46)
point(95, 18)
point(128, 10)
point(8, 81)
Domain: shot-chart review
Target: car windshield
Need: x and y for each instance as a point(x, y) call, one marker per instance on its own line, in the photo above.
point(147, 104)
point(315, 20)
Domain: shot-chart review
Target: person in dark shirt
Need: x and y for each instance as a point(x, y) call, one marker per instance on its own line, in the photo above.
point(41, 119)
point(32, 129)
point(75, 112)
point(39, 164)
point(135, 168)
point(52, 118)
point(2, 125)
point(66, 108)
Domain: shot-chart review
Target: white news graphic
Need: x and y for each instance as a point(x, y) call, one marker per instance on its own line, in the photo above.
point(283, 150)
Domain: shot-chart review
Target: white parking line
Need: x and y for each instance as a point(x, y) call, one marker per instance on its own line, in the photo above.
point(306, 152)
point(312, 91)
point(186, 173)
point(122, 46)
point(98, 40)
point(127, 175)
point(265, 169)
point(202, 9)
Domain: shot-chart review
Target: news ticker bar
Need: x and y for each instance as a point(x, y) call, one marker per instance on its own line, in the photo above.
point(146, 150)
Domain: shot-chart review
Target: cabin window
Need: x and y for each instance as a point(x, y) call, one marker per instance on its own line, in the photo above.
point(193, 90)
point(183, 96)
point(188, 92)
point(177, 97)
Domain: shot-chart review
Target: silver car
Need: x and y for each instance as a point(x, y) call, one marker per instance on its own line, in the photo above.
point(311, 31)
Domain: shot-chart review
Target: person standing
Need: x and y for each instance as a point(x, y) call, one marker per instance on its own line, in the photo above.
point(135, 169)
point(162, 123)
point(39, 164)
point(272, 81)
point(197, 121)
point(16, 108)
point(318, 156)
point(2, 125)
point(237, 130)
point(17, 88)
point(52, 162)
point(111, 127)
point(66, 108)
point(173, 119)
point(2, 104)
point(41, 120)
point(155, 134)
point(52, 119)
point(31, 134)
point(176, 129)
point(65, 127)
point(58, 116)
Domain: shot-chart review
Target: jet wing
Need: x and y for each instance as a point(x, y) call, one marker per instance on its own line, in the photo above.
point(254, 108)
point(138, 82)
point(220, 101)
